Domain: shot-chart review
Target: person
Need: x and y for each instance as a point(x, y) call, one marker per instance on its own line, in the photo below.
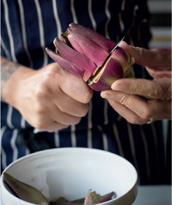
point(38, 93)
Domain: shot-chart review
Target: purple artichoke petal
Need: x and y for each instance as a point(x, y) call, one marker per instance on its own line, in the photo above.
point(75, 57)
point(107, 197)
point(85, 45)
point(125, 60)
point(98, 38)
point(24, 191)
point(103, 79)
point(71, 67)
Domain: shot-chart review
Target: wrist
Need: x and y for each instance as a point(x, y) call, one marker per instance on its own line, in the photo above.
point(12, 79)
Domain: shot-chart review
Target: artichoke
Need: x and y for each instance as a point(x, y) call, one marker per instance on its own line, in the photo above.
point(87, 54)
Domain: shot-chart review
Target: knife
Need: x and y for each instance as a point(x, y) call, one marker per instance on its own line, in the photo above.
point(89, 81)
point(114, 48)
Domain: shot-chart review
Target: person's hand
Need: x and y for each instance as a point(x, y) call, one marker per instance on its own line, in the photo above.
point(49, 99)
point(124, 96)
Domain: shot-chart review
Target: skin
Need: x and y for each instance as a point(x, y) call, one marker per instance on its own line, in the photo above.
point(124, 94)
point(48, 98)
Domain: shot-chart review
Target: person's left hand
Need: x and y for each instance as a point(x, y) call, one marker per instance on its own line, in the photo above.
point(125, 94)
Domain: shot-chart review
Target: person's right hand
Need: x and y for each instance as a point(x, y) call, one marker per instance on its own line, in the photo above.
point(49, 99)
point(124, 94)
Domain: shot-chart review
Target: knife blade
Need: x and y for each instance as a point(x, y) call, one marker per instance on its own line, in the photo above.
point(89, 81)
point(115, 47)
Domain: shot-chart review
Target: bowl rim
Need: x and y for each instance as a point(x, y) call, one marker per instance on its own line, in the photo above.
point(134, 186)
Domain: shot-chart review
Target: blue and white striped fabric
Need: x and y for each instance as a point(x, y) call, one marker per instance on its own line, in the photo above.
point(30, 26)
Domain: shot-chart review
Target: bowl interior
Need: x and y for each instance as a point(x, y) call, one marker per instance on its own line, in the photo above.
point(71, 172)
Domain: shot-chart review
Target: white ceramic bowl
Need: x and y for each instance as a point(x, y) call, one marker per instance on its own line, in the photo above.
point(71, 172)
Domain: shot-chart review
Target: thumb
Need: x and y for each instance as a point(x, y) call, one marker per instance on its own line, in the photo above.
point(142, 56)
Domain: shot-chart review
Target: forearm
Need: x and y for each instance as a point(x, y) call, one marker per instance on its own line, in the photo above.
point(7, 69)
point(11, 75)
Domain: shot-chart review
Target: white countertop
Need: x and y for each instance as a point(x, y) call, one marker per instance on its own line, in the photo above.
point(154, 195)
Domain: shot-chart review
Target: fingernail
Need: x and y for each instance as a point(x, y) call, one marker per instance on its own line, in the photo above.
point(123, 44)
point(106, 95)
point(117, 86)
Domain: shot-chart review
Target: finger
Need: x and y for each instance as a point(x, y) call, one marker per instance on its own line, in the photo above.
point(48, 112)
point(140, 55)
point(156, 74)
point(142, 87)
point(55, 126)
point(45, 120)
point(126, 113)
point(54, 119)
point(75, 87)
point(144, 109)
point(70, 106)
point(64, 118)
point(154, 58)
